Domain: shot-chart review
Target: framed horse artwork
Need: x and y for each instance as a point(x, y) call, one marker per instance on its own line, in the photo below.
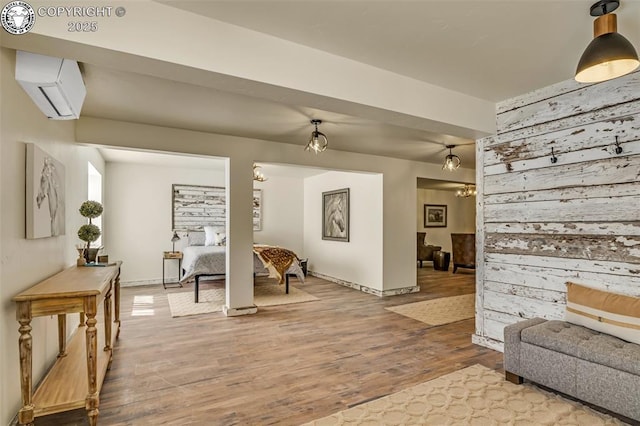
point(335, 215)
point(45, 195)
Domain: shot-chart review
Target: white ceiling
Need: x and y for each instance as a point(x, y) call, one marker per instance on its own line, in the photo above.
point(488, 49)
point(126, 96)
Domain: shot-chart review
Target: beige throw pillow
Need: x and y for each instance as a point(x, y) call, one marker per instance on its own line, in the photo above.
point(611, 313)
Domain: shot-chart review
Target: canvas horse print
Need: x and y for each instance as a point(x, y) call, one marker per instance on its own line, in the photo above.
point(335, 215)
point(45, 194)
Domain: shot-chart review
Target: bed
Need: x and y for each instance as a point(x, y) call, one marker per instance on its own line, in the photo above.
point(210, 261)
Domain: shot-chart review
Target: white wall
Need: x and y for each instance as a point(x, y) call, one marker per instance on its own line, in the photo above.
point(138, 222)
point(282, 213)
point(358, 261)
point(26, 262)
point(461, 216)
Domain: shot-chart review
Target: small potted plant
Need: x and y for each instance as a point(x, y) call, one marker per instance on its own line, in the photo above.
point(90, 232)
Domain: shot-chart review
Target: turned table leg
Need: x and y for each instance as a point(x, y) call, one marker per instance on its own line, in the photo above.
point(62, 335)
point(116, 304)
point(92, 400)
point(23, 314)
point(107, 322)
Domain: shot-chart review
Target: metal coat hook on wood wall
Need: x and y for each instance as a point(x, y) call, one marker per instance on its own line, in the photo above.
point(618, 149)
point(553, 158)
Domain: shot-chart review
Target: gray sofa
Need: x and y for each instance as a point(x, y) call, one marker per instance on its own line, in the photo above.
point(594, 367)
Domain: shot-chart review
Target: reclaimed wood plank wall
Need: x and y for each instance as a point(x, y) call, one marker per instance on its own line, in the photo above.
point(541, 224)
point(197, 206)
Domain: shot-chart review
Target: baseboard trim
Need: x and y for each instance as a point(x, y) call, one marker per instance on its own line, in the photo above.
point(364, 288)
point(487, 342)
point(236, 312)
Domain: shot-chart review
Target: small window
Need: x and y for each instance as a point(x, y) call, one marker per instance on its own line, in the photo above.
point(94, 193)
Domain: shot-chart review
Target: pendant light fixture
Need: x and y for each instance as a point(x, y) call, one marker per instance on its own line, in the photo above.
point(609, 55)
point(258, 176)
point(318, 141)
point(451, 161)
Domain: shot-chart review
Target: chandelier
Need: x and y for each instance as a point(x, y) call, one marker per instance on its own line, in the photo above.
point(257, 174)
point(466, 191)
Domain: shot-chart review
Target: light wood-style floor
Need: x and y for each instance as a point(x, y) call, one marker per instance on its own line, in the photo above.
point(285, 365)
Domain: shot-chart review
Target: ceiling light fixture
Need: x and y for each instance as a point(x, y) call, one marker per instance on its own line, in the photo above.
point(257, 174)
point(466, 191)
point(318, 141)
point(609, 55)
point(451, 161)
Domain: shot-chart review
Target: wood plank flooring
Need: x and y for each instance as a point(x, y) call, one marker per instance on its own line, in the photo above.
point(285, 365)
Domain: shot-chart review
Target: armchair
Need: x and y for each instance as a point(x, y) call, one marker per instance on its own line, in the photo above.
point(464, 251)
point(425, 252)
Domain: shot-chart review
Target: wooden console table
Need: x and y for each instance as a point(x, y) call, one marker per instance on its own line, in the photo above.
point(68, 386)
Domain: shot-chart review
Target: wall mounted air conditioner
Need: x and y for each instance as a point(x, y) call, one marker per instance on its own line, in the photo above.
point(54, 84)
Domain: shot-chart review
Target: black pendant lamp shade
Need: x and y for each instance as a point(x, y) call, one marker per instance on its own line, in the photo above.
point(609, 55)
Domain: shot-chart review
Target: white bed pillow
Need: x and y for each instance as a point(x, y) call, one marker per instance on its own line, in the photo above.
point(213, 236)
point(196, 238)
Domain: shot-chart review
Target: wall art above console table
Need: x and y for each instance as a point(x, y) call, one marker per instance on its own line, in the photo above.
point(76, 378)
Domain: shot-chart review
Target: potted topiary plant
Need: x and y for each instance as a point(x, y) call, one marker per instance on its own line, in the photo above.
point(90, 232)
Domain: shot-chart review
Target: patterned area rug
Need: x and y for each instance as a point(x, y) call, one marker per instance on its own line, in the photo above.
point(212, 300)
point(439, 311)
point(474, 395)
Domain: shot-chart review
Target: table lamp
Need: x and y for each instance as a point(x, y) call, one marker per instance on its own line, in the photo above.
point(175, 238)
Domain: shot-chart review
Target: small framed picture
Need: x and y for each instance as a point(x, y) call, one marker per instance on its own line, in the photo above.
point(435, 216)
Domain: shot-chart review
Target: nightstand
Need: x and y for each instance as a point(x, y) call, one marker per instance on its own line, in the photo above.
point(168, 255)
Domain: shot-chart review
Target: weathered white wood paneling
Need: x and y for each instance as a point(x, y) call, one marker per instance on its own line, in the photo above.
point(495, 329)
point(590, 98)
point(618, 228)
point(488, 343)
point(522, 306)
point(600, 172)
point(586, 209)
point(585, 265)
point(586, 136)
point(543, 224)
point(594, 247)
point(502, 317)
point(479, 238)
point(555, 279)
point(600, 152)
point(526, 291)
point(615, 112)
point(576, 192)
point(539, 95)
